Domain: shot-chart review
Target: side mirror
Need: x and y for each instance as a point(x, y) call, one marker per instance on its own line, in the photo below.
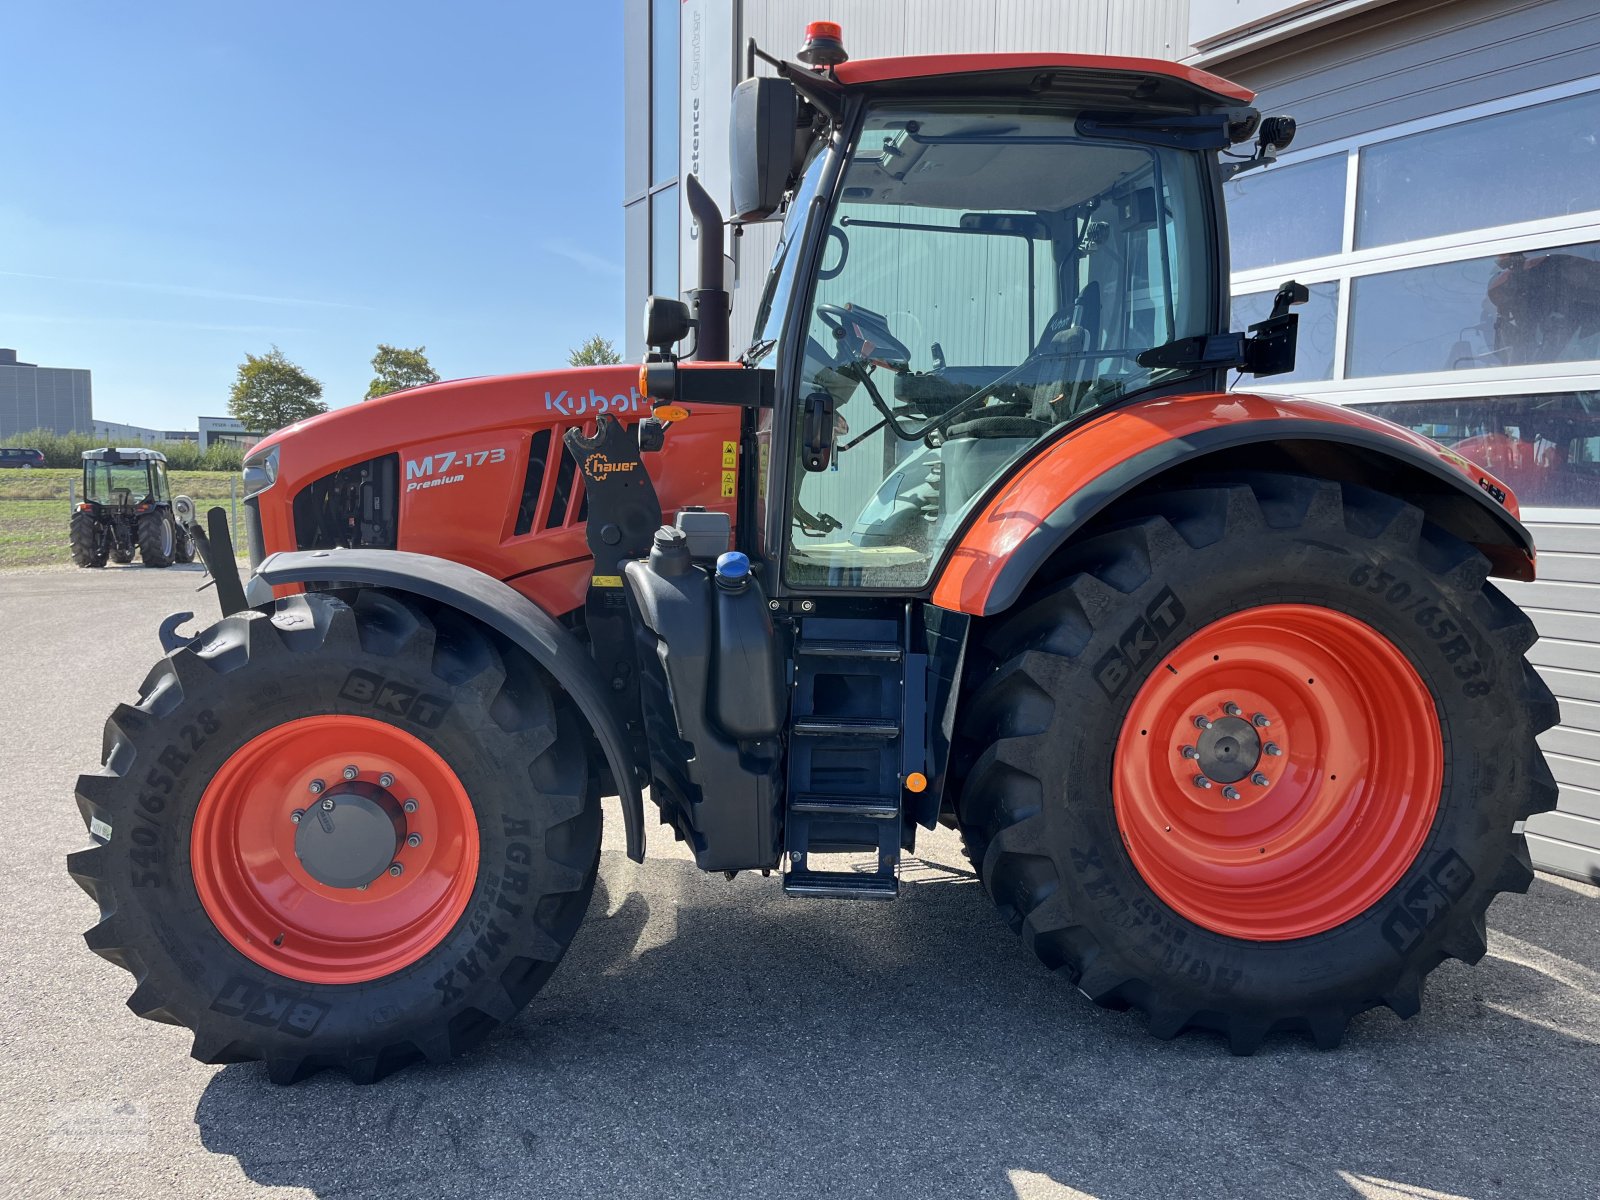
point(666, 323)
point(762, 145)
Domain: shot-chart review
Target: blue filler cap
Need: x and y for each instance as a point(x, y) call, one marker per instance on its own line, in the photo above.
point(733, 565)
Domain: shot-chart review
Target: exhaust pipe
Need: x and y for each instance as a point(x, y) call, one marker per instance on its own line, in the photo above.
point(710, 299)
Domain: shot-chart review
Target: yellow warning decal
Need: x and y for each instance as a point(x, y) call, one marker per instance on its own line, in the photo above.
point(606, 580)
point(730, 455)
point(730, 484)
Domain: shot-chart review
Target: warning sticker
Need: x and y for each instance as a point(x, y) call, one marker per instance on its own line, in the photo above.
point(730, 484)
point(730, 454)
point(606, 580)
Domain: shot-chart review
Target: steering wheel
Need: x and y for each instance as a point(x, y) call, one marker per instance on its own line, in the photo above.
point(864, 336)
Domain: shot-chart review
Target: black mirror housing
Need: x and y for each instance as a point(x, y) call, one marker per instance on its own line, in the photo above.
point(766, 115)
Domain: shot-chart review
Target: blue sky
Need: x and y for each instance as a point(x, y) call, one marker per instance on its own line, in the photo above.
point(185, 182)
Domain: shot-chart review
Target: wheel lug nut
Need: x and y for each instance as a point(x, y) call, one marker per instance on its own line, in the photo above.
point(351, 772)
point(1202, 722)
point(386, 780)
point(294, 817)
point(1190, 752)
point(1231, 709)
point(1230, 793)
point(327, 804)
point(396, 869)
point(1260, 720)
point(414, 840)
point(1259, 779)
point(1273, 749)
point(318, 787)
point(1200, 781)
point(410, 806)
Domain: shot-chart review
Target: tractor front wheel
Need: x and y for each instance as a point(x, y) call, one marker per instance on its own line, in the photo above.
point(89, 539)
point(348, 836)
point(157, 539)
point(1255, 761)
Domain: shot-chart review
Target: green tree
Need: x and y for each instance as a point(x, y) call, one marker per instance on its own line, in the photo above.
point(271, 392)
point(398, 368)
point(596, 352)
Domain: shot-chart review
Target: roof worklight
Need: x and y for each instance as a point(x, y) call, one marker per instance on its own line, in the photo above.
point(824, 45)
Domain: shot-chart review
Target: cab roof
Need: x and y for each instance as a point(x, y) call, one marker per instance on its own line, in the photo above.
point(124, 454)
point(1152, 78)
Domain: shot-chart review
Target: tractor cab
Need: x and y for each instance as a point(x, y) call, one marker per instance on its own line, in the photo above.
point(975, 256)
point(134, 480)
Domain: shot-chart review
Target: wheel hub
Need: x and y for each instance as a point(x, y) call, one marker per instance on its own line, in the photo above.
point(1229, 750)
point(350, 837)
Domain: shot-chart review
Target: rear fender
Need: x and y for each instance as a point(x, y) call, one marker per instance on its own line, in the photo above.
point(501, 608)
point(1056, 493)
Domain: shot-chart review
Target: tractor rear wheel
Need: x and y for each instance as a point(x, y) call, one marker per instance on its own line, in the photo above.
point(90, 541)
point(348, 836)
point(1255, 760)
point(157, 539)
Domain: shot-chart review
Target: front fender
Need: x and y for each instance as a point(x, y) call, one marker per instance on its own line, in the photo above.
point(1072, 479)
point(502, 609)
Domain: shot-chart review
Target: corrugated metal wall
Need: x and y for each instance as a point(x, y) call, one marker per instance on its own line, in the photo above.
point(1420, 58)
point(877, 28)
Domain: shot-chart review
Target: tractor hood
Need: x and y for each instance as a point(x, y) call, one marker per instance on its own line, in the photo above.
point(475, 471)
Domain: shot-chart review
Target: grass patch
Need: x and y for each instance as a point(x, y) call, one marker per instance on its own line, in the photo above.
point(34, 511)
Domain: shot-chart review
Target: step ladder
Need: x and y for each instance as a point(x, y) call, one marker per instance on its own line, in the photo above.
point(847, 756)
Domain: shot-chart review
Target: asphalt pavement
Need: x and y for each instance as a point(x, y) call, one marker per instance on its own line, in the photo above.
point(708, 1038)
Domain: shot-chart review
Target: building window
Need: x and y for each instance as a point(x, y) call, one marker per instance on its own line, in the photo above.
point(1319, 329)
point(1533, 162)
point(1547, 447)
point(1288, 213)
point(664, 90)
point(1510, 309)
point(664, 242)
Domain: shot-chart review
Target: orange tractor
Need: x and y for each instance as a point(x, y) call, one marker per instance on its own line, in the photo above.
point(1215, 686)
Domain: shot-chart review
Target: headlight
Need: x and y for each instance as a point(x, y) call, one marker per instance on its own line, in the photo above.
point(260, 472)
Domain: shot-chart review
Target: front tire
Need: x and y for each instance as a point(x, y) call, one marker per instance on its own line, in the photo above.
point(1346, 814)
point(241, 913)
point(157, 539)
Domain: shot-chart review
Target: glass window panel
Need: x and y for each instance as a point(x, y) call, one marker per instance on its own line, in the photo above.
point(1547, 447)
point(664, 90)
point(1542, 161)
point(1284, 214)
point(1319, 321)
point(970, 304)
point(1542, 306)
point(664, 242)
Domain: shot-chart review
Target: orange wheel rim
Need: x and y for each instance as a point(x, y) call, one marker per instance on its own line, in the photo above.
point(278, 908)
point(1278, 772)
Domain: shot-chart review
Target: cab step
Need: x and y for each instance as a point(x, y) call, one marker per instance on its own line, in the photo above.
point(840, 885)
point(868, 808)
point(851, 727)
point(836, 648)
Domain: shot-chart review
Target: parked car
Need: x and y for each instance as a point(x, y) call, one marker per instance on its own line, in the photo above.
point(13, 456)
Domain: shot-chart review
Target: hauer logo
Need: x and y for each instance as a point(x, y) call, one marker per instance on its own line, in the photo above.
point(598, 466)
point(569, 405)
point(1139, 642)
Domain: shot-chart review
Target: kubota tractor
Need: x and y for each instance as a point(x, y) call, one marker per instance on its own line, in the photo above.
point(1215, 686)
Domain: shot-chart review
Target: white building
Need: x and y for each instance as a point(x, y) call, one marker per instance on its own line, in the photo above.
point(1442, 199)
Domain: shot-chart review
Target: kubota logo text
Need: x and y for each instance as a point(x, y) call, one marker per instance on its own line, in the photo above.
point(569, 405)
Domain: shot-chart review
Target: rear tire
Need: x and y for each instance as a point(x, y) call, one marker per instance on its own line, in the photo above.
point(368, 986)
point(90, 541)
point(1082, 806)
point(157, 539)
